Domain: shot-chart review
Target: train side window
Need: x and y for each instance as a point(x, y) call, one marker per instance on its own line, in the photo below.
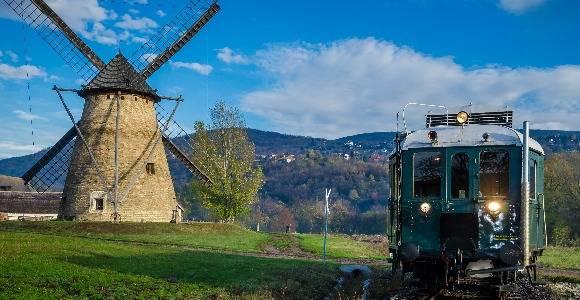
point(392, 179)
point(533, 168)
point(494, 173)
point(427, 174)
point(459, 175)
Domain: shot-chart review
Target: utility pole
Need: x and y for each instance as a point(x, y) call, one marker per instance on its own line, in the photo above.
point(116, 187)
point(525, 202)
point(326, 212)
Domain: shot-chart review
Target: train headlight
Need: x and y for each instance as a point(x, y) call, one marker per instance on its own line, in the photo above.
point(425, 208)
point(493, 207)
point(432, 135)
point(462, 117)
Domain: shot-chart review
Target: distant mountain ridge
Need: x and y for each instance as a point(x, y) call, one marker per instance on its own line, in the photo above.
point(268, 142)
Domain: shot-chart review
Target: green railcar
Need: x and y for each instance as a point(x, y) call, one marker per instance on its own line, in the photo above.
point(456, 208)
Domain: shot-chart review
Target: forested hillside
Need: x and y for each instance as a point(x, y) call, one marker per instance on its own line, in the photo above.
point(562, 186)
point(299, 168)
point(358, 199)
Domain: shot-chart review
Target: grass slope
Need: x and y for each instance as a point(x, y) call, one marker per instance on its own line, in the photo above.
point(340, 246)
point(55, 267)
point(561, 258)
point(211, 236)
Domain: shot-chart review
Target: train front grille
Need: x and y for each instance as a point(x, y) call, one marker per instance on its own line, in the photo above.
point(459, 231)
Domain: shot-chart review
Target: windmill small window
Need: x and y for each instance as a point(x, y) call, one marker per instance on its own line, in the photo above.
point(98, 201)
point(150, 168)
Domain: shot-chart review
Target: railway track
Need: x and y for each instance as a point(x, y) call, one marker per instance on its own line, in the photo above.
point(434, 295)
point(522, 289)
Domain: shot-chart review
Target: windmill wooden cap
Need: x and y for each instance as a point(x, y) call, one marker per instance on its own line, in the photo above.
point(119, 75)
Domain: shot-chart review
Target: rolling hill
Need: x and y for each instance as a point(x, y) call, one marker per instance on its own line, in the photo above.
point(268, 143)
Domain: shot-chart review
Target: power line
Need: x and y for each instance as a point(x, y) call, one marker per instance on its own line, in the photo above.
point(28, 93)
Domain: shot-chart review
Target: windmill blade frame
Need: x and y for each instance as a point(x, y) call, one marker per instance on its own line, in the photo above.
point(52, 165)
point(173, 36)
point(80, 154)
point(182, 157)
point(59, 36)
point(179, 143)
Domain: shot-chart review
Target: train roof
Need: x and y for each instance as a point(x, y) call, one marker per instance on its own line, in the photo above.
point(469, 135)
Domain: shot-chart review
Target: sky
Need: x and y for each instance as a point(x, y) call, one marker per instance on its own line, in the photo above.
point(317, 68)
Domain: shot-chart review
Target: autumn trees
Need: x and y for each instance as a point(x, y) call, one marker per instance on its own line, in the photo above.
point(360, 190)
point(223, 151)
point(562, 188)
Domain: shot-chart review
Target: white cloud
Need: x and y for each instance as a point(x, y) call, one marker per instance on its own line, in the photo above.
point(12, 149)
point(133, 11)
point(148, 57)
point(519, 6)
point(52, 78)
point(12, 72)
point(13, 56)
point(161, 13)
point(89, 19)
point(26, 116)
point(82, 16)
point(197, 67)
point(227, 55)
point(80, 81)
point(138, 40)
point(100, 34)
point(130, 23)
point(357, 85)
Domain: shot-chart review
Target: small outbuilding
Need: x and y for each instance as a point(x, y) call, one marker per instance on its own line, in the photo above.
point(178, 214)
point(17, 205)
point(10, 183)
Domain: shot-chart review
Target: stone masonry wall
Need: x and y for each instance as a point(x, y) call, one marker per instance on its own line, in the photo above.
point(152, 199)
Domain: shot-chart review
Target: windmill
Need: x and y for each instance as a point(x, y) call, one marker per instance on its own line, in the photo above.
point(114, 157)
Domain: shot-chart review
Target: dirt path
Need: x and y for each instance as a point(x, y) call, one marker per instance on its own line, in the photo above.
point(293, 251)
point(559, 272)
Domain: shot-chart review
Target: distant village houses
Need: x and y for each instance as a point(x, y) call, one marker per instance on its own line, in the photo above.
point(285, 157)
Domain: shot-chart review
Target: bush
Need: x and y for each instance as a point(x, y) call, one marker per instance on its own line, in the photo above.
point(562, 236)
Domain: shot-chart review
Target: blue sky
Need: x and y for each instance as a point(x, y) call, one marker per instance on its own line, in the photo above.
point(318, 68)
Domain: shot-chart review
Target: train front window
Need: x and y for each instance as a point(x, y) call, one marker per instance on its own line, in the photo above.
point(494, 173)
point(459, 175)
point(427, 174)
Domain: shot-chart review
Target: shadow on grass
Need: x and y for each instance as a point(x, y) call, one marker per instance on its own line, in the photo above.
point(235, 273)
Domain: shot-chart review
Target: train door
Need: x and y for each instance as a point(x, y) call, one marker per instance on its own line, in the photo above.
point(459, 204)
point(460, 182)
point(393, 204)
point(537, 222)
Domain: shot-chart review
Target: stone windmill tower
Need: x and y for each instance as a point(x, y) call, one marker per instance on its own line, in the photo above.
point(115, 155)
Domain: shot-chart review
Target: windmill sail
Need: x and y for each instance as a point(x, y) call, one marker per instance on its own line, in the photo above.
point(52, 29)
point(179, 143)
point(51, 167)
point(182, 157)
point(157, 51)
point(173, 36)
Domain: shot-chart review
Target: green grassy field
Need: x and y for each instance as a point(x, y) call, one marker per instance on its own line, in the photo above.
point(146, 260)
point(340, 246)
point(193, 261)
point(197, 235)
point(227, 237)
point(561, 258)
point(50, 266)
